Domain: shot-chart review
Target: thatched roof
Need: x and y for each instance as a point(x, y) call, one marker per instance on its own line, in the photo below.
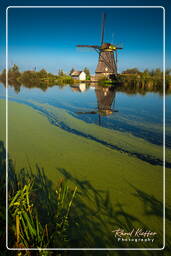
point(76, 73)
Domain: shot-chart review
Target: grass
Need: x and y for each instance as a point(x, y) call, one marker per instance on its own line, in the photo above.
point(39, 217)
point(30, 232)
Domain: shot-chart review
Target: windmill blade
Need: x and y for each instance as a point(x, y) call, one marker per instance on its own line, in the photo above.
point(95, 112)
point(116, 56)
point(89, 112)
point(112, 41)
point(89, 46)
point(103, 27)
point(119, 46)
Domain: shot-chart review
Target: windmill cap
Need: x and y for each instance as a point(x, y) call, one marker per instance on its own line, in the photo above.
point(110, 46)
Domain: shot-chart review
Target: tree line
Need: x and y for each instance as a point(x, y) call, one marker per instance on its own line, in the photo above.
point(33, 77)
point(132, 78)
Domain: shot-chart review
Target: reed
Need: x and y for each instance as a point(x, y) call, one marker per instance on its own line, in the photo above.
point(30, 229)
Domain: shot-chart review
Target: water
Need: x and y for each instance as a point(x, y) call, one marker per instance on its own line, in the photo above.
point(95, 135)
point(141, 115)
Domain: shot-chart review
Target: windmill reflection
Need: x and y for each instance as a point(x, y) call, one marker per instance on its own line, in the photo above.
point(105, 102)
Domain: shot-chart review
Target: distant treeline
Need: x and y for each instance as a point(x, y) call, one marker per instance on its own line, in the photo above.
point(150, 80)
point(33, 78)
point(129, 80)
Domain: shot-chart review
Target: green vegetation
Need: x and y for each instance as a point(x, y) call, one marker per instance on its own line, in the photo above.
point(131, 80)
point(104, 81)
point(134, 81)
point(131, 71)
point(39, 216)
point(31, 78)
point(86, 70)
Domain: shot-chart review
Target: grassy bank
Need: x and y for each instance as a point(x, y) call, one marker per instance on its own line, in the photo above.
point(133, 80)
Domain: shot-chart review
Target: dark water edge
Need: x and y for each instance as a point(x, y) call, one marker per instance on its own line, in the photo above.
point(52, 119)
point(134, 130)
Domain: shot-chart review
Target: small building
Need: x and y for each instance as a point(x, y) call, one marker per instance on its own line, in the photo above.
point(79, 75)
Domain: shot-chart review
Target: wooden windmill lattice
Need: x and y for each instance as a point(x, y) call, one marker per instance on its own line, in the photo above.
point(108, 56)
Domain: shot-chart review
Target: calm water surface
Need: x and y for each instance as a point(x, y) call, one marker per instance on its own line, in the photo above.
point(141, 115)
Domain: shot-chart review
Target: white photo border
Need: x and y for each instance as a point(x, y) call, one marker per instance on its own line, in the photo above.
point(164, 60)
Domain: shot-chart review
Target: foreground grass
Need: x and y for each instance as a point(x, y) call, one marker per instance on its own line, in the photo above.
point(31, 231)
point(39, 217)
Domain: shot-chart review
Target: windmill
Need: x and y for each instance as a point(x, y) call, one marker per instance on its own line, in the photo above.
point(105, 102)
point(108, 56)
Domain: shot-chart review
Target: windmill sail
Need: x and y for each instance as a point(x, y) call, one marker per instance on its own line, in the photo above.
point(103, 27)
point(107, 62)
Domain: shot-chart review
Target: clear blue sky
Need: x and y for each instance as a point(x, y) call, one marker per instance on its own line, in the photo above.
point(47, 38)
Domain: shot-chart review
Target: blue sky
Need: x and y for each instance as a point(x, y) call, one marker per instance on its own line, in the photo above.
point(47, 38)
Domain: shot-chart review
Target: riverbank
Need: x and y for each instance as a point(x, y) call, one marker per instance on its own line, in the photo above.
point(142, 81)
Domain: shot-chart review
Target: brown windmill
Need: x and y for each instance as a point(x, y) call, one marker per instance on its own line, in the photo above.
point(108, 56)
point(105, 102)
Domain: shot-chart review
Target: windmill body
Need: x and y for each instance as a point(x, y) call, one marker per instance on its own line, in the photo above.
point(107, 62)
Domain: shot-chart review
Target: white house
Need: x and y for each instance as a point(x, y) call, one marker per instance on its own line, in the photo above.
point(79, 75)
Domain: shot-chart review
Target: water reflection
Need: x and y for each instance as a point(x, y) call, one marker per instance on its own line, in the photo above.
point(105, 102)
point(139, 114)
point(82, 87)
point(130, 89)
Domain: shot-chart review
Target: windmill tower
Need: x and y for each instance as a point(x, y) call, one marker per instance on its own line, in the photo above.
point(108, 56)
point(105, 103)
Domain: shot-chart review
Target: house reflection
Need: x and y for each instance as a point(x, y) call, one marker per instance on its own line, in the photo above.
point(82, 87)
point(79, 88)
